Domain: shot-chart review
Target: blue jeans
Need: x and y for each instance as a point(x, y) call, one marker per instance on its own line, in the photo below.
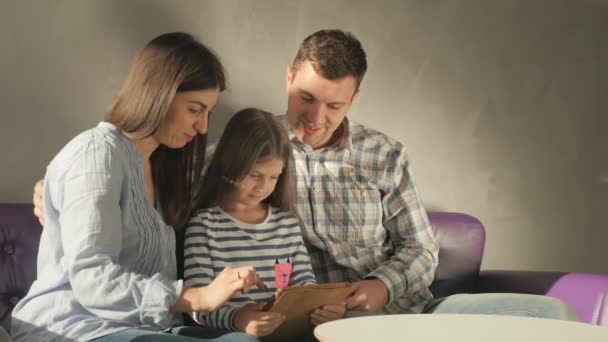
point(511, 304)
point(179, 334)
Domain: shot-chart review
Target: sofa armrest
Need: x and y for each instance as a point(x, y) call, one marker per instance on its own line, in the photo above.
point(586, 293)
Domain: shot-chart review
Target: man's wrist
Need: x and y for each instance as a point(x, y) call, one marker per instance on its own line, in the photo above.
point(387, 292)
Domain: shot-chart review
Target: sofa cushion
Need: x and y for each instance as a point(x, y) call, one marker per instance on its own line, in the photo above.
point(19, 237)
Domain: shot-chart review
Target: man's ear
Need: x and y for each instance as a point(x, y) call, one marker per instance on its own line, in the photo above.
point(355, 95)
point(288, 77)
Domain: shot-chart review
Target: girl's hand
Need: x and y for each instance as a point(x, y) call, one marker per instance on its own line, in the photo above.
point(251, 320)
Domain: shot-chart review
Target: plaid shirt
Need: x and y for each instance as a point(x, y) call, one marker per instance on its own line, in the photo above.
point(362, 218)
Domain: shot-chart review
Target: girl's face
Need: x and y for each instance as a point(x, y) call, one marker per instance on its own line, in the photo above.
point(187, 117)
point(258, 184)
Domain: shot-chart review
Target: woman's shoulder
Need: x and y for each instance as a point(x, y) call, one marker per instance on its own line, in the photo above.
point(101, 148)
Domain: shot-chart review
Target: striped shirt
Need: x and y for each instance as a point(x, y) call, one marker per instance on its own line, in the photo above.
point(361, 216)
point(214, 239)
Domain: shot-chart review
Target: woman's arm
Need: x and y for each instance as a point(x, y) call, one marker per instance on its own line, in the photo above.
point(91, 219)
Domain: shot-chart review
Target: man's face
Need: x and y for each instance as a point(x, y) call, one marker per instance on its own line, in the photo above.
point(317, 106)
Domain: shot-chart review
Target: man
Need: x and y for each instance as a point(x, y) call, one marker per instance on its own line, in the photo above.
point(361, 216)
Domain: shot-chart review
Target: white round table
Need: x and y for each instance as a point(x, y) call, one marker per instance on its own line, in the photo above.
point(458, 328)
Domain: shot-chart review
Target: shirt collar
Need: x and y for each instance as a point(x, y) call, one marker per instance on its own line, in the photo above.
point(345, 141)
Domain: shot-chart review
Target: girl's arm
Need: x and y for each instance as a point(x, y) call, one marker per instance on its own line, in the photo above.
point(198, 272)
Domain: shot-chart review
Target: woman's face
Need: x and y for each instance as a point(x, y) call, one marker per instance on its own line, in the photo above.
point(188, 116)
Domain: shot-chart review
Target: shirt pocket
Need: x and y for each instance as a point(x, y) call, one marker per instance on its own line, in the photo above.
point(356, 215)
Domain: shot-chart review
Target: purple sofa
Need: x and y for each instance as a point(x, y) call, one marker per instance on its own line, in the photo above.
point(462, 240)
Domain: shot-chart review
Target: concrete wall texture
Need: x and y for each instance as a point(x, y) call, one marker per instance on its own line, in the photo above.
point(500, 103)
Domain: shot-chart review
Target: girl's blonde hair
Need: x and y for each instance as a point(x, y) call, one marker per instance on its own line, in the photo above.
point(250, 135)
point(170, 63)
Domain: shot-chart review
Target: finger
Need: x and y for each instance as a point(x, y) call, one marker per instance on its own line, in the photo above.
point(269, 317)
point(260, 284)
point(315, 320)
point(37, 212)
point(325, 316)
point(356, 301)
point(337, 310)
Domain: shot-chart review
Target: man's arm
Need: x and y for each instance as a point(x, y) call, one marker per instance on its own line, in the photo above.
point(38, 201)
point(411, 268)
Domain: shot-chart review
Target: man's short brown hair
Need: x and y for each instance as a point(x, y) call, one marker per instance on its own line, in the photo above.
point(334, 54)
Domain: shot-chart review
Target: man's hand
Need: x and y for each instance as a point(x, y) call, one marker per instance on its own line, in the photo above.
point(327, 313)
point(252, 321)
point(38, 203)
point(370, 295)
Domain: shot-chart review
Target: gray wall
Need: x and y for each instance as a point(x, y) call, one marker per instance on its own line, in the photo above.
point(501, 103)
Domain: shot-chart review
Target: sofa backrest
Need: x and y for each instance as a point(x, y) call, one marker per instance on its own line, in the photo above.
point(19, 237)
point(461, 239)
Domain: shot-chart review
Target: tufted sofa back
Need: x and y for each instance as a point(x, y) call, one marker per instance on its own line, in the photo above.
point(19, 237)
point(461, 237)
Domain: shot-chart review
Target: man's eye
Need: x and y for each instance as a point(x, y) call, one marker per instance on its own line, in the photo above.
point(333, 107)
point(308, 99)
point(194, 110)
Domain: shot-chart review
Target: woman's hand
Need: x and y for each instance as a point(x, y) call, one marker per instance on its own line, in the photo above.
point(219, 291)
point(251, 320)
point(227, 283)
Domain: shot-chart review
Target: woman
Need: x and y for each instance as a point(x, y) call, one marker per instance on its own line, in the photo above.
point(106, 264)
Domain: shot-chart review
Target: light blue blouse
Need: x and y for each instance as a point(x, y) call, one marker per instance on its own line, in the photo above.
point(106, 260)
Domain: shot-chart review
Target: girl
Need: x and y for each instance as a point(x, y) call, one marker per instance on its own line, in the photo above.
point(106, 264)
point(247, 219)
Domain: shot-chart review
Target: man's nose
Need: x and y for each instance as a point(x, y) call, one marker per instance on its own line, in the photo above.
point(316, 115)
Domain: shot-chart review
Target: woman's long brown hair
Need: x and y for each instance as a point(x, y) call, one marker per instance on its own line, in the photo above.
point(170, 63)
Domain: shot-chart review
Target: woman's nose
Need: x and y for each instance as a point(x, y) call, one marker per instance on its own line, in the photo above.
point(201, 124)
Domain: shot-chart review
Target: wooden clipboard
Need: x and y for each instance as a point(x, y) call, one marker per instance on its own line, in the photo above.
point(297, 302)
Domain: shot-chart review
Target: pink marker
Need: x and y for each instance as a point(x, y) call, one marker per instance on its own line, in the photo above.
point(282, 272)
